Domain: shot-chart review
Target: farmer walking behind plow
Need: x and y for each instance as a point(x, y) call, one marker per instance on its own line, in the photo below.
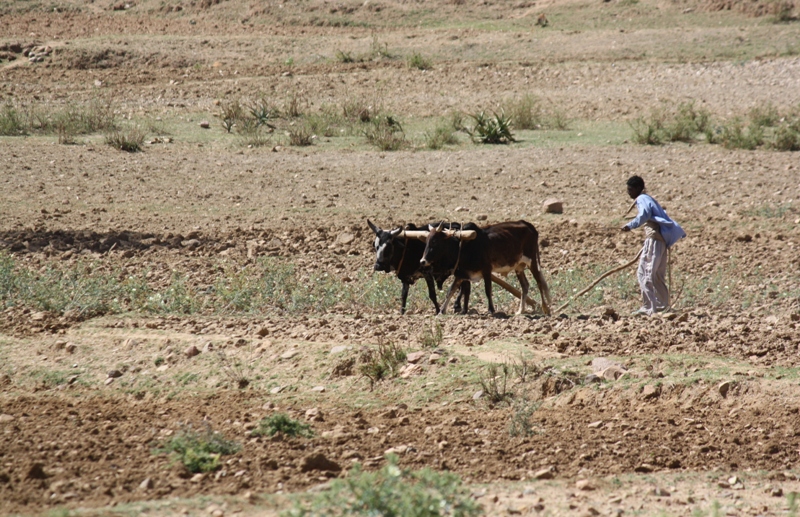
point(661, 233)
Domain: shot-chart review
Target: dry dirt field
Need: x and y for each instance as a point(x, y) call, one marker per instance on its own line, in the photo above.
point(252, 251)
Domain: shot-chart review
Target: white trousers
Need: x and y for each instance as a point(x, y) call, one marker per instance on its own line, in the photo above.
point(652, 276)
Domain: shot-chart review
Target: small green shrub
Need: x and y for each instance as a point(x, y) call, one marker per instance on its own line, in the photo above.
point(787, 138)
point(494, 383)
point(392, 491)
point(358, 110)
point(418, 61)
point(494, 129)
point(382, 362)
point(521, 423)
point(764, 115)
point(282, 423)
point(386, 133)
point(129, 140)
point(440, 136)
point(198, 451)
point(687, 123)
point(11, 121)
point(344, 57)
point(251, 134)
point(293, 106)
point(737, 135)
point(526, 112)
point(263, 112)
point(232, 113)
point(648, 131)
point(433, 336)
point(300, 135)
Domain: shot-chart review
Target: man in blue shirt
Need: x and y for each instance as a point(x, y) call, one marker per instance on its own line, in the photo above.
point(661, 233)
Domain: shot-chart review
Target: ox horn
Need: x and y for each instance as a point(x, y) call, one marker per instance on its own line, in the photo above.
point(374, 228)
point(441, 227)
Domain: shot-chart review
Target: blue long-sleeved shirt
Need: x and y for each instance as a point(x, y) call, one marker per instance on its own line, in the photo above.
point(650, 210)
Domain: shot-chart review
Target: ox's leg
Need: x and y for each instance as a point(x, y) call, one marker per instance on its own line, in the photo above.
point(487, 284)
point(465, 290)
point(456, 284)
point(403, 297)
point(544, 291)
point(432, 292)
point(525, 286)
point(459, 296)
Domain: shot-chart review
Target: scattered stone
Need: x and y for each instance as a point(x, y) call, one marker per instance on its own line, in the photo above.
point(584, 484)
point(610, 314)
point(130, 343)
point(5, 379)
point(434, 358)
point(289, 354)
point(345, 238)
point(339, 349)
point(723, 388)
point(601, 363)
point(205, 124)
point(147, 484)
point(314, 415)
point(192, 351)
point(72, 379)
point(262, 332)
point(208, 347)
point(191, 244)
point(651, 392)
point(596, 425)
point(36, 471)
point(114, 374)
point(4, 419)
point(776, 492)
point(481, 217)
point(276, 389)
point(109, 381)
point(318, 461)
point(644, 468)
point(318, 389)
point(660, 492)
point(59, 345)
point(462, 209)
point(198, 478)
point(410, 369)
point(553, 206)
point(612, 373)
point(70, 348)
point(478, 395)
point(545, 473)
point(415, 357)
point(592, 378)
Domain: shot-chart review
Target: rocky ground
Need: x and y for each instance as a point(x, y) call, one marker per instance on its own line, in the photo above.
point(699, 411)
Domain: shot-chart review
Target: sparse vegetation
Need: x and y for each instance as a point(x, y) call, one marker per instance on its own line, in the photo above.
point(526, 112)
point(129, 140)
point(440, 136)
point(494, 382)
point(433, 335)
point(392, 490)
point(491, 129)
point(521, 423)
point(283, 424)
point(418, 61)
point(198, 451)
point(386, 133)
point(382, 362)
point(300, 135)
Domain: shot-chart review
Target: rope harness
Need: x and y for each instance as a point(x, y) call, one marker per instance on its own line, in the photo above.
point(400, 265)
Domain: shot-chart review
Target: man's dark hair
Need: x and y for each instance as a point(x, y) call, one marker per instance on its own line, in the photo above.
point(636, 182)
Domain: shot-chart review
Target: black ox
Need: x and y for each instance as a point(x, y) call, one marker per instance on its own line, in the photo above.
point(402, 256)
point(499, 248)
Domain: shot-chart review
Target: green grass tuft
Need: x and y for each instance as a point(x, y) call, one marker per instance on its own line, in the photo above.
point(198, 451)
point(282, 423)
point(392, 491)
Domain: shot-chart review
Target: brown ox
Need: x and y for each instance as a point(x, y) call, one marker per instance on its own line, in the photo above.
point(499, 248)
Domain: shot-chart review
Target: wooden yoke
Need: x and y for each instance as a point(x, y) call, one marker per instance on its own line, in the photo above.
point(466, 235)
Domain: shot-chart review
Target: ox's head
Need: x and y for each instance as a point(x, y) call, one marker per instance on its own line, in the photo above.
point(384, 247)
point(435, 245)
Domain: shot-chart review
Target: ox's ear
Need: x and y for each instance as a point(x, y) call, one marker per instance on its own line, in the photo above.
point(373, 227)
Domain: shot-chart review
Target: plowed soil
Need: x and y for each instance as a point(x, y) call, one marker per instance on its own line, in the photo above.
point(203, 206)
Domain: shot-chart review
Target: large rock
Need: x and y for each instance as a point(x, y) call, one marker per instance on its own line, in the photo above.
point(318, 461)
point(553, 206)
